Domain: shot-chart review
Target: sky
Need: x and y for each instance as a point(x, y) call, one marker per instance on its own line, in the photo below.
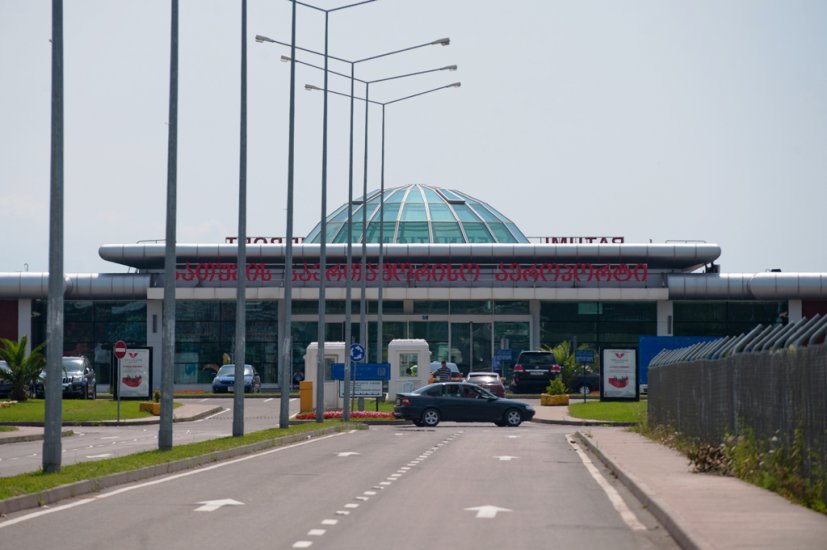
point(654, 120)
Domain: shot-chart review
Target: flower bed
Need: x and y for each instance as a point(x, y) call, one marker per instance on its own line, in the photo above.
point(371, 415)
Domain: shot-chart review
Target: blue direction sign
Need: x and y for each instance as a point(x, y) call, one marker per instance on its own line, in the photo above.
point(357, 353)
point(584, 356)
point(362, 371)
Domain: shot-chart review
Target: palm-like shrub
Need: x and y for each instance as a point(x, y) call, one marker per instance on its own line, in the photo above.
point(24, 367)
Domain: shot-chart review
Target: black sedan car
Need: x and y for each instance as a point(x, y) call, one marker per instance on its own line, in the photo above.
point(78, 379)
point(224, 380)
point(460, 402)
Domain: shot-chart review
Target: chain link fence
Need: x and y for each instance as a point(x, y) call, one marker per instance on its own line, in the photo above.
point(773, 394)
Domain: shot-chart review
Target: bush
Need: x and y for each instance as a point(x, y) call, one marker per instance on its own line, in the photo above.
point(556, 387)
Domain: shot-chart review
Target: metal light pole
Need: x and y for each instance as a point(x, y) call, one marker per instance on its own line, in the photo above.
point(349, 268)
point(168, 318)
point(241, 281)
point(322, 333)
point(379, 342)
point(52, 446)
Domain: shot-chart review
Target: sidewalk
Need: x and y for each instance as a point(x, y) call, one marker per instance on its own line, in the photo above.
point(699, 510)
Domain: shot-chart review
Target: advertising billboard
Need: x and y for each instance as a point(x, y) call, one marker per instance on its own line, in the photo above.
point(618, 371)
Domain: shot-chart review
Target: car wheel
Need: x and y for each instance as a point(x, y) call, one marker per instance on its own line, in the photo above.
point(499, 423)
point(430, 417)
point(513, 418)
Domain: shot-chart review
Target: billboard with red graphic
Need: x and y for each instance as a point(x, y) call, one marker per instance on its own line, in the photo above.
point(134, 379)
point(619, 374)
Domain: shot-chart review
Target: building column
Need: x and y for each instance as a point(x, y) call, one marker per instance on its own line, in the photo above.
point(534, 329)
point(154, 314)
point(24, 322)
point(795, 308)
point(666, 318)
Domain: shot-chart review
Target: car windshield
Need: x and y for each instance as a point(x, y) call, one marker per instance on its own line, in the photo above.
point(229, 370)
point(537, 359)
point(73, 366)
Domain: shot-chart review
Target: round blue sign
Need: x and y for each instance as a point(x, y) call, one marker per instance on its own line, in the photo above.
point(357, 353)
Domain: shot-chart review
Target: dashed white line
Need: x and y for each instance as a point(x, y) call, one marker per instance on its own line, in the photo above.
point(316, 532)
point(330, 521)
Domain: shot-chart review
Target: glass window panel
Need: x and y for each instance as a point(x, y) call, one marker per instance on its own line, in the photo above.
point(501, 233)
point(464, 213)
point(413, 232)
point(394, 196)
point(483, 211)
point(339, 215)
point(314, 234)
point(441, 213)
point(432, 197)
point(513, 307)
point(334, 231)
point(427, 307)
point(477, 233)
point(414, 196)
point(629, 311)
point(414, 213)
point(465, 307)
point(447, 232)
point(391, 212)
point(78, 311)
point(450, 195)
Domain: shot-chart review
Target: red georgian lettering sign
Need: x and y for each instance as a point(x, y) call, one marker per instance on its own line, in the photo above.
point(263, 240)
point(406, 272)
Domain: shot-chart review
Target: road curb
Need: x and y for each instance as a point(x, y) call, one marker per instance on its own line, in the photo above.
point(30, 437)
point(658, 509)
point(578, 422)
point(80, 488)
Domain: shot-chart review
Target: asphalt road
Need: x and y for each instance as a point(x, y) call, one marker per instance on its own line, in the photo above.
point(457, 486)
point(100, 442)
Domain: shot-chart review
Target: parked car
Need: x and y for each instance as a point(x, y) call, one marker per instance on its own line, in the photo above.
point(584, 383)
point(224, 380)
point(534, 370)
point(460, 402)
point(456, 375)
point(5, 385)
point(491, 381)
point(78, 379)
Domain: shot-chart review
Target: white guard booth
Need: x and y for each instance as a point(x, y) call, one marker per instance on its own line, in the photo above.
point(410, 366)
point(334, 352)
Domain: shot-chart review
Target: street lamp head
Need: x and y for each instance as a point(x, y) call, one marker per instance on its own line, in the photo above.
point(450, 68)
point(260, 38)
point(312, 87)
point(454, 85)
point(286, 58)
point(441, 42)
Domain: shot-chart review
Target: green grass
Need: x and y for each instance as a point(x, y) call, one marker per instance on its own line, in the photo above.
point(74, 410)
point(618, 411)
point(8, 428)
point(36, 482)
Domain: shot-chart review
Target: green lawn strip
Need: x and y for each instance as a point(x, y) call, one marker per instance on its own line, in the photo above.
point(73, 410)
point(36, 482)
point(617, 411)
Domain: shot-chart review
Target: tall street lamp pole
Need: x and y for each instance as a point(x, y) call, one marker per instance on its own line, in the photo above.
point(349, 268)
point(379, 342)
point(321, 332)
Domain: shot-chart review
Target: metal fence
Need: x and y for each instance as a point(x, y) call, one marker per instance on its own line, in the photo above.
point(773, 394)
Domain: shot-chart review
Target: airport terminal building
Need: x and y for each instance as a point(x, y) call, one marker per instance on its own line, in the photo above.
point(452, 270)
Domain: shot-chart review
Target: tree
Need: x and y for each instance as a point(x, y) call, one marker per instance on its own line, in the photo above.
point(23, 368)
point(564, 357)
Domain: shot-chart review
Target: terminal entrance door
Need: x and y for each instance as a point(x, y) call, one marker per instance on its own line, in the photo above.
point(471, 346)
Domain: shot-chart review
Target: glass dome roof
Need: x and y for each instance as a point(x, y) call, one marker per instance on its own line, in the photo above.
point(422, 214)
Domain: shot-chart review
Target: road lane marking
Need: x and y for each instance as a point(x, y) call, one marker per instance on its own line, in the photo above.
point(316, 532)
point(330, 521)
point(626, 514)
point(302, 544)
point(488, 511)
point(505, 458)
point(165, 479)
point(213, 505)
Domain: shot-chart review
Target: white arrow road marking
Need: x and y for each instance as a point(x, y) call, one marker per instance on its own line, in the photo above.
point(488, 511)
point(347, 453)
point(100, 456)
point(213, 505)
point(505, 458)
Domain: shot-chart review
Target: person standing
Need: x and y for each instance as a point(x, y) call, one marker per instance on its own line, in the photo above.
point(443, 373)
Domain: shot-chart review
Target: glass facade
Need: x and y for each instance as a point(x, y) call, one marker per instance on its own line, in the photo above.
point(598, 324)
point(91, 328)
point(725, 318)
point(205, 332)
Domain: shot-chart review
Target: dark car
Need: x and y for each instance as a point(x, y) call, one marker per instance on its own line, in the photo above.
point(534, 370)
point(460, 402)
point(224, 380)
point(491, 381)
point(5, 385)
point(584, 383)
point(78, 379)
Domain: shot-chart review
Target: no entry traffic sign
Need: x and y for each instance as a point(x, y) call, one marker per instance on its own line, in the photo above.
point(120, 349)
